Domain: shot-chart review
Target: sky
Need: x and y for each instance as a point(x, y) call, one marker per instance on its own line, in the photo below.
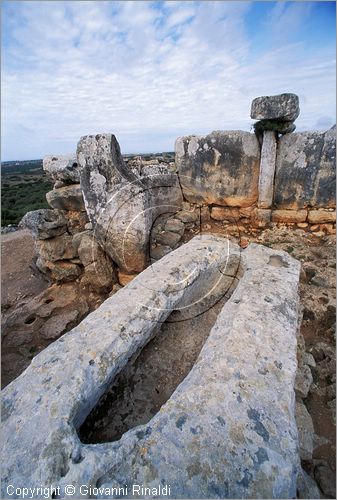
point(150, 72)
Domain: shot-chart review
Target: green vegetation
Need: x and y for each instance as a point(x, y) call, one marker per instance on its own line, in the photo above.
point(23, 188)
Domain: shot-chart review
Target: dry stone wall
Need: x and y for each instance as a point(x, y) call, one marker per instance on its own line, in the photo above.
point(270, 175)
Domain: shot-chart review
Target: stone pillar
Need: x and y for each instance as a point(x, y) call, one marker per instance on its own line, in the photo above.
point(267, 169)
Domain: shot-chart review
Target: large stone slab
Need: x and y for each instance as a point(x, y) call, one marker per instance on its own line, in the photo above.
point(284, 107)
point(306, 170)
point(122, 204)
point(221, 168)
point(228, 431)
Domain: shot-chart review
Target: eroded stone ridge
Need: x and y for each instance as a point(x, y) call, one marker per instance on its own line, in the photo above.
point(220, 168)
point(229, 429)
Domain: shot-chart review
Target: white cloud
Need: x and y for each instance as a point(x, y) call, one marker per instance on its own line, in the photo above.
point(145, 72)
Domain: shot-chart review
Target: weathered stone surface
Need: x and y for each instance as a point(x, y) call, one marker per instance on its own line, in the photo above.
point(306, 170)
point(57, 248)
point(232, 214)
point(160, 251)
point(321, 216)
point(76, 221)
point(62, 168)
point(60, 270)
point(45, 223)
point(175, 226)
point(168, 238)
point(305, 431)
point(267, 170)
point(122, 204)
point(289, 215)
point(243, 446)
point(263, 217)
point(99, 275)
point(274, 126)
point(188, 216)
point(326, 479)
point(66, 198)
point(56, 325)
point(221, 168)
point(303, 381)
point(306, 486)
point(124, 279)
point(275, 107)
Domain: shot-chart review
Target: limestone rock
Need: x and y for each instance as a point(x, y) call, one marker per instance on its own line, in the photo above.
point(283, 107)
point(62, 168)
point(221, 168)
point(175, 226)
point(243, 446)
point(232, 214)
point(277, 126)
point(60, 270)
point(56, 325)
point(188, 216)
point(168, 238)
point(305, 430)
point(76, 221)
point(263, 216)
point(306, 486)
point(124, 279)
point(121, 204)
point(66, 198)
point(305, 173)
point(99, 275)
point(326, 479)
point(45, 223)
point(267, 170)
point(290, 216)
point(321, 216)
point(303, 381)
point(160, 251)
point(57, 248)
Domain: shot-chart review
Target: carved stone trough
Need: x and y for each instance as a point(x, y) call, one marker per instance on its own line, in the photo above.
point(227, 431)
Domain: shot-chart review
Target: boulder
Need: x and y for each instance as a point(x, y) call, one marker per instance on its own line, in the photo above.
point(221, 168)
point(305, 174)
point(62, 168)
point(168, 238)
point(66, 198)
point(122, 204)
point(60, 270)
point(175, 226)
point(284, 107)
point(57, 248)
point(45, 223)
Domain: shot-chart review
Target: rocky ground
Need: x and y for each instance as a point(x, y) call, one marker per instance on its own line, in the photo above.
point(34, 312)
point(31, 308)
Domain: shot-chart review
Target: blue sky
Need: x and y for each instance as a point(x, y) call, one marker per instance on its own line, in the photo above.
point(152, 71)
